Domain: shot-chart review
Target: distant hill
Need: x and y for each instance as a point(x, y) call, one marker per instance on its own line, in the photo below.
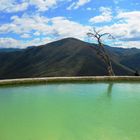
point(66, 57)
point(132, 61)
point(9, 49)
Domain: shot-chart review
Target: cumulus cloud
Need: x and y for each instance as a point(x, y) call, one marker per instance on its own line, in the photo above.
point(39, 26)
point(9, 43)
point(15, 6)
point(106, 16)
point(14, 43)
point(25, 36)
point(12, 6)
point(129, 44)
point(89, 8)
point(117, 1)
point(79, 3)
point(127, 26)
point(126, 29)
point(43, 5)
point(36, 33)
point(71, 28)
point(25, 24)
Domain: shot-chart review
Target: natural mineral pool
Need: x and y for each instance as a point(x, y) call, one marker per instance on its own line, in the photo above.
point(72, 111)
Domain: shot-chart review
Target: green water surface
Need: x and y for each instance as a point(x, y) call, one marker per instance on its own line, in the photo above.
point(86, 111)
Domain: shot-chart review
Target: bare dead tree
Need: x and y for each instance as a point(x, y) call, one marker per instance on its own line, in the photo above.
point(101, 50)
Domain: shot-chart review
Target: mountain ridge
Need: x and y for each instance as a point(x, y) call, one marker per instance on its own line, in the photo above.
point(65, 57)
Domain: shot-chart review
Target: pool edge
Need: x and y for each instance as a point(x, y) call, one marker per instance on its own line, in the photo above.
point(70, 79)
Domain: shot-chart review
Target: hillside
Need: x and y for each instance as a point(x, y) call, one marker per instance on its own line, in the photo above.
point(66, 57)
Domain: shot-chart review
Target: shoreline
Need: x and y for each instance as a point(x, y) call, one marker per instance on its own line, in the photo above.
point(70, 79)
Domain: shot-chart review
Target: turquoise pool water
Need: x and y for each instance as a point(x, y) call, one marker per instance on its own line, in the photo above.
point(86, 111)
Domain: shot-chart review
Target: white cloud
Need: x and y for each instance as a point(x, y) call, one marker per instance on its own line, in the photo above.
point(36, 42)
point(18, 7)
point(79, 3)
point(13, 43)
point(89, 8)
point(130, 44)
point(106, 16)
point(127, 26)
point(126, 29)
point(9, 43)
point(12, 6)
point(117, 1)
point(25, 36)
point(25, 24)
point(59, 26)
point(36, 33)
point(36, 25)
point(66, 28)
point(41, 5)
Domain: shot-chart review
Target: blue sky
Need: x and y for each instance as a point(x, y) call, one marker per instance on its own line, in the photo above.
point(34, 22)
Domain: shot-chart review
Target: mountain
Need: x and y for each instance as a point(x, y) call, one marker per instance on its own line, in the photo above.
point(9, 49)
point(132, 61)
point(66, 57)
point(129, 57)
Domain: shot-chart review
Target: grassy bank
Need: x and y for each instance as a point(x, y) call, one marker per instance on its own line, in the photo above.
point(69, 79)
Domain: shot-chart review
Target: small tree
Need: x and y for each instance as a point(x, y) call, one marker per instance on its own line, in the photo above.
point(101, 50)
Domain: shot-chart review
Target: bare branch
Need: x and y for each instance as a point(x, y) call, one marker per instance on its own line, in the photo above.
point(101, 51)
point(108, 35)
point(90, 34)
